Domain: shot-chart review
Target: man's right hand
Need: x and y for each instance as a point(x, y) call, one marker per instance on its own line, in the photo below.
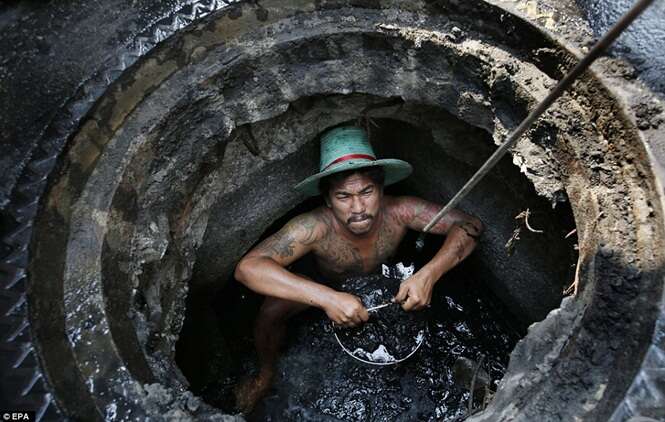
point(346, 309)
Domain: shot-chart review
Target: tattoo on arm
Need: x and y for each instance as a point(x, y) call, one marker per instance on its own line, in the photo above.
point(301, 230)
point(421, 214)
point(280, 244)
point(472, 231)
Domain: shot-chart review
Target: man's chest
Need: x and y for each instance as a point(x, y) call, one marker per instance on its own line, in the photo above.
point(338, 255)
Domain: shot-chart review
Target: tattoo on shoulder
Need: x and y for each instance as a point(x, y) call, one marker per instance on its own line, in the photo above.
point(300, 230)
point(280, 244)
point(424, 211)
point(307, 227)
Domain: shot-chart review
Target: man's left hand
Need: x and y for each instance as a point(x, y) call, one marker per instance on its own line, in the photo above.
point(415, 293)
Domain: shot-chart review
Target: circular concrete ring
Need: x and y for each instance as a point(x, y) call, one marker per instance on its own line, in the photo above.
point(133, 187)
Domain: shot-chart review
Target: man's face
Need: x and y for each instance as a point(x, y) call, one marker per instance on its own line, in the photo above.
point(355, 201)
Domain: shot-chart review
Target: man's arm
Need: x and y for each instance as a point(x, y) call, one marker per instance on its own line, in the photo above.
point(262, 270)
point(462, 232)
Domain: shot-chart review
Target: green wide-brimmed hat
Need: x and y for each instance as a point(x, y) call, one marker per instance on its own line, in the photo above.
point(347, 148)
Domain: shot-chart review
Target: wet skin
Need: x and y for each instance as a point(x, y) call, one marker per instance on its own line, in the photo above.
point(357, 230)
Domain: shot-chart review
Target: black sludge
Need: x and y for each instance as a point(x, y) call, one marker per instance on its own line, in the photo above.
point(317, 381)
point(391, 335)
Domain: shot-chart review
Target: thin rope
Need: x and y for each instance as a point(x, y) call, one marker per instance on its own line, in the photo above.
point(556, 92)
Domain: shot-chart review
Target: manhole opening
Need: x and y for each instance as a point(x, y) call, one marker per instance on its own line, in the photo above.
point(467, 324)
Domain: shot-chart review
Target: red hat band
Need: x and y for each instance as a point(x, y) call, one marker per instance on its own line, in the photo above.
point(349, 157)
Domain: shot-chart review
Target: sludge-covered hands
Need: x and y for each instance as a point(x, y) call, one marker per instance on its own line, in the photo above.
point(415, 293)
point(346, 309)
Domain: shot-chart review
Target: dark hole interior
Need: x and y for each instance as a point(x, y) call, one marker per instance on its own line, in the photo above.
point(469, 327)
point(466, 322)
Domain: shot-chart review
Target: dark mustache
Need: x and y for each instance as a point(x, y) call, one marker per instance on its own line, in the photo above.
point(358, 218)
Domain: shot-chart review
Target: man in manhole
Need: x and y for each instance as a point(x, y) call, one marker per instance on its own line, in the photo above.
point(357, 230)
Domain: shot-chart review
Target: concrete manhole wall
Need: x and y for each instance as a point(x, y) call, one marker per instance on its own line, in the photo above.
point(168, 170)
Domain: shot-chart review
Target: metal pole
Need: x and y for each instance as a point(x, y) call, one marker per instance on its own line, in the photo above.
point(556, 92)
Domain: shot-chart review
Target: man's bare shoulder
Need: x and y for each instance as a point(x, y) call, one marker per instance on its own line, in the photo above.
point(294, 239)
point(416, 213)
point(404, 208)
point(309, 226)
